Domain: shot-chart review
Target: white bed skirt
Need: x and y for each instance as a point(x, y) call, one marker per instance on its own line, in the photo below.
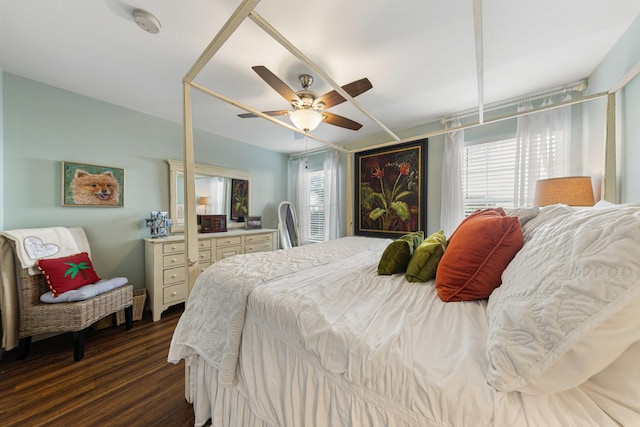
point(225, 406)
point(278, 385)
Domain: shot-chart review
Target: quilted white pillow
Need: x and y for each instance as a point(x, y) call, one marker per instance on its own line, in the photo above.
point(567, 307)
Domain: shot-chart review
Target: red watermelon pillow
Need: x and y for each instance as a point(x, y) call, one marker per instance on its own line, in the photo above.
point(68, 273)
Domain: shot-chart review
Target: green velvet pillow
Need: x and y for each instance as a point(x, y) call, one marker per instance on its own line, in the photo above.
point(396, 256)
point(424, 262)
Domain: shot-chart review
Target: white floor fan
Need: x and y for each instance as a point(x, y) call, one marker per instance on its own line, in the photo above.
point(288, 226)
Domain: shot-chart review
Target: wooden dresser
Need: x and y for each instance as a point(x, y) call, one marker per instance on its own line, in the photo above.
point(165, 272)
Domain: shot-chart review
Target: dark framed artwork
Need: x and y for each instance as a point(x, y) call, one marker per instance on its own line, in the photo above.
point(84, 184)
point(239, 198)
point(391, 190)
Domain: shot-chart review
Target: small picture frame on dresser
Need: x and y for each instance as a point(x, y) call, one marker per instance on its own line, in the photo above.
point(212, 223)
point(253, 222)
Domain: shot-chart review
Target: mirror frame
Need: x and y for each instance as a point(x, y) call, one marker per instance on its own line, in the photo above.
point(176, 166)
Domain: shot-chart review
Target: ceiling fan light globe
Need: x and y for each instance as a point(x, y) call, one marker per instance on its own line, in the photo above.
point(305, 119)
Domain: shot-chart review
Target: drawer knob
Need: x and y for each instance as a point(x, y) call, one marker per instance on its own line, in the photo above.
point(173, 276)
point(173, 294)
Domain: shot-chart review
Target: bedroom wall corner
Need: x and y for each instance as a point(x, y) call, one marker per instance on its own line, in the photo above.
point(621, 58)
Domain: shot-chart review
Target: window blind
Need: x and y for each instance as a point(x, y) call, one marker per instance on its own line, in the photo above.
point(488, 172)
point(315, 205)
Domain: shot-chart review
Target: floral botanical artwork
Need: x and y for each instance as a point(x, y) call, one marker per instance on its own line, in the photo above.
point(239, 198)
point(391, 193)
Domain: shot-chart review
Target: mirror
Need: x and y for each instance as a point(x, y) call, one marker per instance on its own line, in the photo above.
point(219, 191)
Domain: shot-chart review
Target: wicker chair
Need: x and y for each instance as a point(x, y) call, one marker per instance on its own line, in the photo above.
point(38, 318)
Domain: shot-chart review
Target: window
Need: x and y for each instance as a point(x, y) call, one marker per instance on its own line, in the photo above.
point(488, 175)
point(314, 206)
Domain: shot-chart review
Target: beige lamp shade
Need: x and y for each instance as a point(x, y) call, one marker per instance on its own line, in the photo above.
point(203, 201)
point(570, 190)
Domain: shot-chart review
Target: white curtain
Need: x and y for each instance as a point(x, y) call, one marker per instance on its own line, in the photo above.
point(299, 172)
point(542, 148)
point(217, 195)
point(452, 208)
point(331, 211)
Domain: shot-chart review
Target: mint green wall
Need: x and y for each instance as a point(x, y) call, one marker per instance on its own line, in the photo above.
point(44, 125)
point(1, 152)
point(620, 59)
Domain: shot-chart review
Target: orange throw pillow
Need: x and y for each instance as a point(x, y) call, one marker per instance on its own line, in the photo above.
point(477, 253)
point(68, 273)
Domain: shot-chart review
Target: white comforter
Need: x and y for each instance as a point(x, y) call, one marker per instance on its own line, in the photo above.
point(336, 344)
point(212, 324)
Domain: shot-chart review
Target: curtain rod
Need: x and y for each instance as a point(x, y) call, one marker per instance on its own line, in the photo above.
point(578, 86)
point(318, 150)
point(486, 122)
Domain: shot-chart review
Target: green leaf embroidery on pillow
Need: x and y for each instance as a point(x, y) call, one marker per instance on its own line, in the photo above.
point(76, 268)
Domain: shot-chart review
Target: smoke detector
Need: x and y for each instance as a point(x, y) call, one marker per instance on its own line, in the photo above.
point(146, 21)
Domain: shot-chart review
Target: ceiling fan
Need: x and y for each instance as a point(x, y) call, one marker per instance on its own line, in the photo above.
point(309, 108)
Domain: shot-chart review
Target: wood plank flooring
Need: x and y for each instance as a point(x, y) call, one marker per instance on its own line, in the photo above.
point(123, 380)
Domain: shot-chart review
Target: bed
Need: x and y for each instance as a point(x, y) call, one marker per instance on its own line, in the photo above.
point(313, 336)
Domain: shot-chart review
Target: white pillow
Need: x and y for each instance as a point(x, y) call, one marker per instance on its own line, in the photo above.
point(565, 309)
point(85, 292)
point(524, 214)
point(545, 215)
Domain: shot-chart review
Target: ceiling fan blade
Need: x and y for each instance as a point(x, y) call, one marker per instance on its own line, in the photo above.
point(354, 89)
point(343, 122)
point(268, 113)
point(278, 85)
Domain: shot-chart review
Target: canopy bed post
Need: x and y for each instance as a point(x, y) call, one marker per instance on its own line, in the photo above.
point(609, 186)
point(191, 227)
point(609, 192)
point(350, 179)
point(191, 231)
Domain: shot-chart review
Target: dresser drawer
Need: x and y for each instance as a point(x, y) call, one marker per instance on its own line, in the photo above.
point(257, 238)
point(258, 247)
point(173, 260)
point(204, 244)
point(167, 248)
point(174, 294)
point(203, 266)
point(228, 241)
point(226, 252)
point(173, 275)
point(204, 255)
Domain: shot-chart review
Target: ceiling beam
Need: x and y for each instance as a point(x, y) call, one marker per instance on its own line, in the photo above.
point(220, 39)
point(264, 116)
point(262, 23)
point(493, 120)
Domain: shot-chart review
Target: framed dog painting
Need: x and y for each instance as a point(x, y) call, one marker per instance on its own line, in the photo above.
point(92, 185)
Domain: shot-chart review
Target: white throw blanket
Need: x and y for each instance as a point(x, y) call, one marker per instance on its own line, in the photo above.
point(33, 244)
point(212, 323)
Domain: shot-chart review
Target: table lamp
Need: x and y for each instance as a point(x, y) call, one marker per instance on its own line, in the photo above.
point(204, 201)
point(570, 190)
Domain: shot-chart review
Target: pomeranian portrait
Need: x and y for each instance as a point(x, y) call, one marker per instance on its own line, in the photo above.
point(95, 189)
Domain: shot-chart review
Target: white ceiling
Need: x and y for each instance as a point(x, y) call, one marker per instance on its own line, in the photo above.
point(419, 55)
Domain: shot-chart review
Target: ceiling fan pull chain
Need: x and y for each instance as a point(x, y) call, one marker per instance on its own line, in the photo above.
point(306, 148)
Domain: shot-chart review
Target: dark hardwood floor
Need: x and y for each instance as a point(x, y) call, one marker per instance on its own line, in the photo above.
point(123, 380)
